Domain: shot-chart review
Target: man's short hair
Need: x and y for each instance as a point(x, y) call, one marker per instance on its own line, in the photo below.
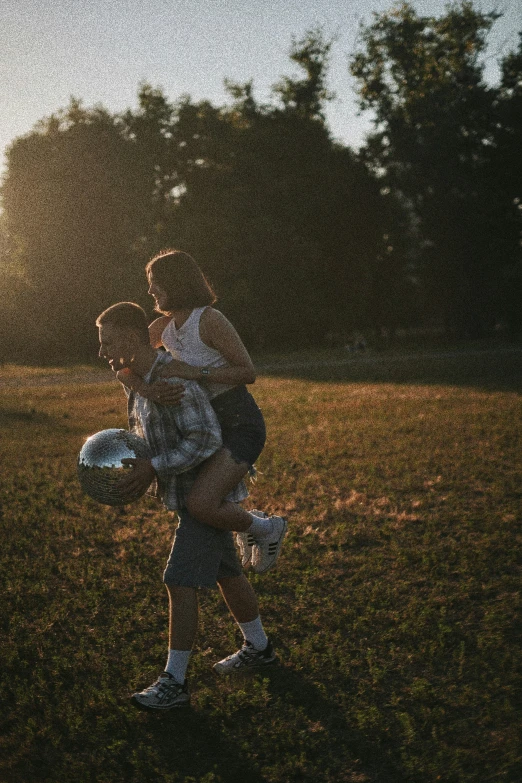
point(126, 316)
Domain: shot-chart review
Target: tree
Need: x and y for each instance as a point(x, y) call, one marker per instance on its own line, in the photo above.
point(12, 286)
point(306, 97)
point(506, 170)
point(297, 234)
point(435, 128)
point(288, 224)
point(75, 198)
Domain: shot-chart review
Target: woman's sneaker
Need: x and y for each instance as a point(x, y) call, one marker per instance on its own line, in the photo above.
point(246, 540)
point(266, 550)
point(246, 659)
point(164, 694)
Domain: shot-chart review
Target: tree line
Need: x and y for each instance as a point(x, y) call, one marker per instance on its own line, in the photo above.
point(302, 237)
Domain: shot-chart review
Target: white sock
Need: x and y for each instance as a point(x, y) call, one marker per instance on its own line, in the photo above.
point(177, 663)
point(261, 526)
point(254, 633)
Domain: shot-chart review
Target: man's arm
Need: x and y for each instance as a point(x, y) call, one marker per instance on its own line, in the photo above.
point(183, 436)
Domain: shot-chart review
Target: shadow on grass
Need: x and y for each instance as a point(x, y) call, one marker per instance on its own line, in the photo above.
point(199, 746)
point(346, 753)
point(195, 743)
point(194, 746)
point(491, 370)
point(207, 743)
point(124, 744)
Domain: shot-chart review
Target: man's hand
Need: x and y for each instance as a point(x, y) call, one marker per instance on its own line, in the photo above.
point(164, 393)
point(139, 478)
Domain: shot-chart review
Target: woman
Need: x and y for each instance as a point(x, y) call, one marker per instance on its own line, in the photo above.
point(210, 351)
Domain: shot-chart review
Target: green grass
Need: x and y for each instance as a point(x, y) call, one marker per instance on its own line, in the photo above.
point(395, 607)
point(15, 372)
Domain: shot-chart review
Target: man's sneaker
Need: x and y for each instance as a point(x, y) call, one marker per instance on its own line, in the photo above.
point(164, 694)
point(246, 540)
point(246, 659)
point(266, 551)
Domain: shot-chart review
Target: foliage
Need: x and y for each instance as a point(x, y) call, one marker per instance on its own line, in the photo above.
point(304, 240)
point(439, 139)
point(13, 281)
point(306, 97)
point(507, 165)
point(75, 199)
point(395, 607)
point(282, 219)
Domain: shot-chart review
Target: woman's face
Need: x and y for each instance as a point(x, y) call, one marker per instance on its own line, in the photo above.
point(159, 295)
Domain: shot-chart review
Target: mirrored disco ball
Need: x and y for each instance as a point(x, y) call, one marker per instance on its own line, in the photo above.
point(100, 468)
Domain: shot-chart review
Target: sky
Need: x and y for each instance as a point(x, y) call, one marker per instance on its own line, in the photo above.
point(100, 51)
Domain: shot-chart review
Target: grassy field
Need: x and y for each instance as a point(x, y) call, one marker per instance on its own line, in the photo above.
point(395, 607)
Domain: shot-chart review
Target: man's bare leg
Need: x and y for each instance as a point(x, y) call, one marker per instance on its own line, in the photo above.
point(170, 689)
point(240, 598)
point(183, 617)
point(257, 651)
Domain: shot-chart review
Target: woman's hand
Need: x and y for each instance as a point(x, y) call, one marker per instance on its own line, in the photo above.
point(178, 369)
point(163, 393)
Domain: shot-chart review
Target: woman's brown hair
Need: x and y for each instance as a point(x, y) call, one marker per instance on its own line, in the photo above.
point(182, 280)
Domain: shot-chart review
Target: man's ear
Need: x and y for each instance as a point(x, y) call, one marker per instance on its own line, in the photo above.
point(133, 340)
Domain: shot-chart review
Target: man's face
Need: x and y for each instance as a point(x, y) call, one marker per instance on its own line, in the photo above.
point(117, 346)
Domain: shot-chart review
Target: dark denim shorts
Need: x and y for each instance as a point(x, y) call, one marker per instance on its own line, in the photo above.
point(242, 424)
point(200, 555)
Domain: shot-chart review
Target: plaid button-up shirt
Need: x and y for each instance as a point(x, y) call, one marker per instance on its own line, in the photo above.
point(180, 437)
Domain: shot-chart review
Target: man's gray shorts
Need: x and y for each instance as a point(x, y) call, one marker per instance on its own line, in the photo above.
point(200, 555)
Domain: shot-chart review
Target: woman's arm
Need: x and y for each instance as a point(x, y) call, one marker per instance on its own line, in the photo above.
point(156, 329)
point(162, 392)
point(217, 332)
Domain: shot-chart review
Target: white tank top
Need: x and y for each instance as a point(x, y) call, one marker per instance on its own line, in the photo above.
point(188, 345)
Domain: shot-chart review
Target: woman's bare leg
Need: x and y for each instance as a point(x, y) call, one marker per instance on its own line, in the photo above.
point(216, 478)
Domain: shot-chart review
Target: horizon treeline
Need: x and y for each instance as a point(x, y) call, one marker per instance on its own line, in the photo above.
point(304, 239)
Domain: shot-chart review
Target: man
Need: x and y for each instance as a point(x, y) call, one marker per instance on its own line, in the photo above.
point(181, 438)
